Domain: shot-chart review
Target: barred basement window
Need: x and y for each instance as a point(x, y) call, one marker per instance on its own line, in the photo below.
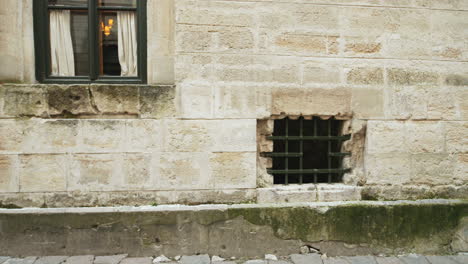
point(307, 151)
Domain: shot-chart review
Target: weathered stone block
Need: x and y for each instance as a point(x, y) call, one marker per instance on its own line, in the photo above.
point(94, 172)
point(148, 260)
point(137, 171)
point(193, 40)
point(196, 101)
point(214, 13)
point(116, 99)
point(8, 173)
point(287, 194)
point(421, 137)
point(332, 193)
point(43, 173)
point(385, 137)
point(52, 136)
point(233, 170)
point(316, 74)
point(457, 79)
point(278, 73)
point(102, 135)
point(233, 135)
point(20, 100)
point(189, 135)
point(306, 43)
point(184, 170)
point(12, 134)
point(411, 77)
point(115, 259)
point(365, 76)
point(388, 168)
point(432, 169)
point(235, 101)
point(143, 135)
point(363, 47)
point(316, 101)
point(456, 136)
point(406, 102)
point(367, 103)
point(70, 100)
point(157, 101)
point(460, 174)
point(236, 39)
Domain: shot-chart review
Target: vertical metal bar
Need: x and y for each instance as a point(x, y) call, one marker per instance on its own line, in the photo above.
point(93, 45)
point(315, 134)
point(286, 160)
point(329, 149)
point(301, 148)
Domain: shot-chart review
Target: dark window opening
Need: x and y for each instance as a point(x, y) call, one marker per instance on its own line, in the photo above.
point(307, 151)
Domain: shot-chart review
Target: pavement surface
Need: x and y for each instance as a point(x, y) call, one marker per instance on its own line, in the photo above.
point(269, 259)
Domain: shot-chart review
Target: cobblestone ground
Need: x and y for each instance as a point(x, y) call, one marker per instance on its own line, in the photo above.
point(269, 259)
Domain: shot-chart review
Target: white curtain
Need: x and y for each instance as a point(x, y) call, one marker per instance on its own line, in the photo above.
point(61, 47)
point(127, 39)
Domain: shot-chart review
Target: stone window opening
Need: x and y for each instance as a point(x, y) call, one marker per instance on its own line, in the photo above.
point(307, 150)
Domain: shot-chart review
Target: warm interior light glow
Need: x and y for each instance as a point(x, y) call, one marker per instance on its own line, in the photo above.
point(107, 29)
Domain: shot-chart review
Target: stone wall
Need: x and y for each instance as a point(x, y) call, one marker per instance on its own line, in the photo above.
point(217, 71)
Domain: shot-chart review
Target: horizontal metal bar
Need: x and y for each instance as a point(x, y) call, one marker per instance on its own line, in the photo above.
point(305, 171)
point(281, 154)
point(345, 137)
point(117, 8)
point(68, 7)
point(339, 154)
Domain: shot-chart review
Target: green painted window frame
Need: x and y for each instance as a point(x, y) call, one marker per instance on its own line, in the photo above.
point(42, 50)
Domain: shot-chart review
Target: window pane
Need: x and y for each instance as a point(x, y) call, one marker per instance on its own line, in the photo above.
point(118, 43)
point(126, 3)
point(68, 43)
point(79, 33)
point(68, 2)
point(109, 53)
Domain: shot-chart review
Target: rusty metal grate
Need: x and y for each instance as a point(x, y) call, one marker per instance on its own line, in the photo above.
point(307, 151)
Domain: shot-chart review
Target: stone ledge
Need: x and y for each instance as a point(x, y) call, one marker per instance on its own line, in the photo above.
point(241, 230)
point(87, 101)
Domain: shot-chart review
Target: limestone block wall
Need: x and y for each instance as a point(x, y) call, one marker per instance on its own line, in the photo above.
point(218, 71)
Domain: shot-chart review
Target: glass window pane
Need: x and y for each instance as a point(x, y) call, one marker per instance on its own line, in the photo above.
point(79, 33)
point(69, 43)
point(126, 3)
point(118, 47)
point(109, 53)
point(68, 2)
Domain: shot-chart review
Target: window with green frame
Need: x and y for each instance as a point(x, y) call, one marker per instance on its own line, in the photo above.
point(87, 41)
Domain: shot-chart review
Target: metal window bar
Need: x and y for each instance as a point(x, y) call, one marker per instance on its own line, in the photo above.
point(333, 156)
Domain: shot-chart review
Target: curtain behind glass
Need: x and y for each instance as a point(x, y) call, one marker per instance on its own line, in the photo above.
point(61, 47)
point(127, 39)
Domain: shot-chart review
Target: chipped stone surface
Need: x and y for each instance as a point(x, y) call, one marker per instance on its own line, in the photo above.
point(115, 259)
point(199, 259)
point(51, 260)
point(306, 259)
point(87, 259)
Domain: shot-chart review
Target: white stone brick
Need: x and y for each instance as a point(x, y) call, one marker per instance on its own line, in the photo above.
point(9, 173)
point(102, 135)
point(43, 173)
point(95, 172)
point(385, 137)
point(232, 170)
point(456, 136)
point(144, 135)
point(425, 137)
point(184, 171)
point(432, 169)
point(390, 168)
